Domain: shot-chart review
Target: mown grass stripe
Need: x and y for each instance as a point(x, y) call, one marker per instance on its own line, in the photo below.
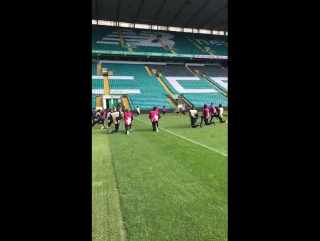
point(195, 142)
point(107, 222)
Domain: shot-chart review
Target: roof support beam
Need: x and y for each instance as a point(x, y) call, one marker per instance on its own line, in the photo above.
point(226, 6)
point(219, 24)
point(155, 17)
point(174, 18)
point(118, 9)
point(97, 16)
point(139, 9)
point(197, 12)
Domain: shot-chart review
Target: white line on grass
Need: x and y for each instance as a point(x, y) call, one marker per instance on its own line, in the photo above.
point(212, 149)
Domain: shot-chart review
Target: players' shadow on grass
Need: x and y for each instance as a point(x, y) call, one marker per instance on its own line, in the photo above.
point(182, 127)
point(106, 131)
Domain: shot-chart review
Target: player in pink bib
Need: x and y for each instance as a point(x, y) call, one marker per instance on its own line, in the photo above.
point(128, 118)
point(154, 116)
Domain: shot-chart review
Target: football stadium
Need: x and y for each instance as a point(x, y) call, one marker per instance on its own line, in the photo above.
point(160, 120)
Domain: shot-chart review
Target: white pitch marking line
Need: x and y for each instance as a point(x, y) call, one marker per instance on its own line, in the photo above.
point(212, 149)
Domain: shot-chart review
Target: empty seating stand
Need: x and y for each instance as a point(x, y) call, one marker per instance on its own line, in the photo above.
point(142, 90)
point(208, 40)
point(214, 71)
point(180, 80)
point(97, 82)
point(148, 101)
point(106, 38)
point(154, 41)
point(223, 39)
point(215, 74)
point(198, 100)
point(93, 102)
point(143, 40)
point(94, 68)
point(171, 70)
point(185, 46)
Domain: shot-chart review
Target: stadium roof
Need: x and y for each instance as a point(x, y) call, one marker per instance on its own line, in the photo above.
point(198, 14)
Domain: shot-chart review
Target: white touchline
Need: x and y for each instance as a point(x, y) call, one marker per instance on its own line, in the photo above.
point(212, 149)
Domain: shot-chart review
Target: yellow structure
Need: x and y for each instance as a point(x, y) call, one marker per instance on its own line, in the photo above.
point(106, 85)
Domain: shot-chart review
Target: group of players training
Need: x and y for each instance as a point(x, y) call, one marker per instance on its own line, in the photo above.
point(113, 116)
point(207, 115)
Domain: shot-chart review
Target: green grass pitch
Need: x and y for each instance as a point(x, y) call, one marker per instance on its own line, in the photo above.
point(166, 185)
